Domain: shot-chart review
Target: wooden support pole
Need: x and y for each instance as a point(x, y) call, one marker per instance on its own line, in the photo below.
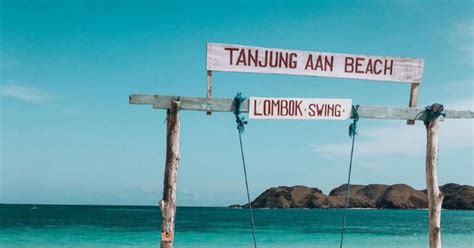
point(168, 203)
point(435, 197)
point(413, 99)
point(209, 87)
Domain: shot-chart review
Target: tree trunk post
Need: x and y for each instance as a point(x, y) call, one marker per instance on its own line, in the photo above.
point(435, 197)
point(168, 203)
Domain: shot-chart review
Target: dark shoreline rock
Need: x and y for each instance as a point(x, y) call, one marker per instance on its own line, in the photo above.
point(458, 196)
point(402, 196)
point(397, 196)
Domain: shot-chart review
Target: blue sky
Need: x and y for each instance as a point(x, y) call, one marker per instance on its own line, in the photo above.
point(68, 134)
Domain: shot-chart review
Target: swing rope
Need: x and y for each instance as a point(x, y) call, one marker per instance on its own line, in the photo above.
point(352, 133)
point(240, 120)
point(238, 99)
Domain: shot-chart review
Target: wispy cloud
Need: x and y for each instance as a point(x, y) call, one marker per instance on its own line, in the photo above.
point(26, 94)
point(465, 36)
point(395, 140)
point(401, 139)
point(458, 88)
point(461, 104)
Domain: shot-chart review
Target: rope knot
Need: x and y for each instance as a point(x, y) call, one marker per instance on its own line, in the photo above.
point(240, 120)
point(434, 111)
point(355, 116)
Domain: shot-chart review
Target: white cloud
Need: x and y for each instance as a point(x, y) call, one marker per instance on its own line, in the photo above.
point(462, 104)
point(26, 93)
point(465, 36)
point(402, 139)
point(466, 28)
point(458, 88)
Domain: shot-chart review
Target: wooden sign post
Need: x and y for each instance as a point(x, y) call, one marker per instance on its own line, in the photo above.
point(413, 98)
point(209, 87)
point(277, 108)
point(237, 58)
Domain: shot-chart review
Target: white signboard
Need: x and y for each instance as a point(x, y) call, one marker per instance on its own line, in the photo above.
point(236, 58)
point(299, 108)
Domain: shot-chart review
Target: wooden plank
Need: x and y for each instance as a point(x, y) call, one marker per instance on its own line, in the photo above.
point(237, 58)
point(188, 103)
point(299, 108)
point(226, 105)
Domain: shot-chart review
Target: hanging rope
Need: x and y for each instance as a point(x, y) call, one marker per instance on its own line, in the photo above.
point(352, 133)
point(238, 99)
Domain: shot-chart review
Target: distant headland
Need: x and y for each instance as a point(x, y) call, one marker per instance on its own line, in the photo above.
point(397, 196)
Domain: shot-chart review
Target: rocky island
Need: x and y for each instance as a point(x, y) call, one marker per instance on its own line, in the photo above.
point(397, 196)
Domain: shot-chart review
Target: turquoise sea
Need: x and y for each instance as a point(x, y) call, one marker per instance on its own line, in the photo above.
point(119, 226)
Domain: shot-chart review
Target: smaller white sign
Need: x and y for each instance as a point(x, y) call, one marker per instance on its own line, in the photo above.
point(299, 108)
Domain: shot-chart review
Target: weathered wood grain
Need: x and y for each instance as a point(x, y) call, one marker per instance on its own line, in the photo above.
point(435, 197)
point(209, 87)
point(168, 203)
point(413, 98)
point(226, 105)
point(209, 84)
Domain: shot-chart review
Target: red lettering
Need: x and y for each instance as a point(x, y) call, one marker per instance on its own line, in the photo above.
point(369, 67)
point(293, 60)
point(231, 50)
point(319, 109)
point(291, 108)
point(336, 110)
point(329, 63)
point(349, 63)
point(266, 107)
point(241, 58)
point(319, 63)
point(358, 65)
point(276, 104)
point(273, 59)
point(285, 108)
point(265, 61)
point(298, 108)
point(253, 58)
point(388, 68)
point(309, 62)
point(283, 60)
point(311, 107)
point(255, 108)
point(375, 66)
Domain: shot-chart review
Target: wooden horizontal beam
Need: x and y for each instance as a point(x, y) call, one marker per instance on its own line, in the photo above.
point(226, 105)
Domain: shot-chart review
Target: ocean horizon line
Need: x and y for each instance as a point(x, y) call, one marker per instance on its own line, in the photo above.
point(97, 205)
point(153, 206)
